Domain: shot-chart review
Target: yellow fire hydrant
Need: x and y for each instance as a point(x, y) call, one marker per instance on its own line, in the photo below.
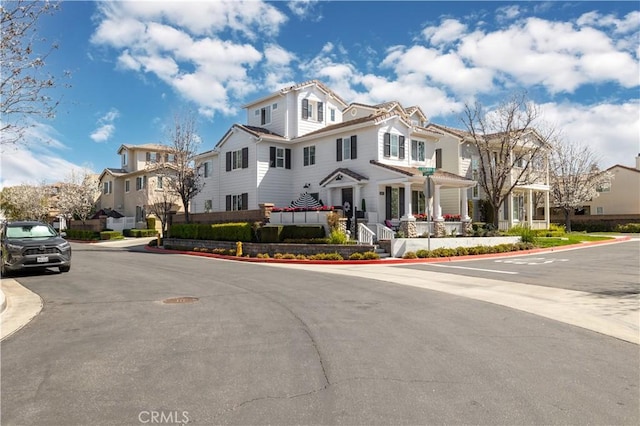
point(239, 248)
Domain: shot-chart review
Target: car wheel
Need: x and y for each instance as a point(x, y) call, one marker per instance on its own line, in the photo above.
point(65, 268)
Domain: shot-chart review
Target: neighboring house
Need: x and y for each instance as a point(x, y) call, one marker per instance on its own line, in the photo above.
point(305, 140)
point(528, 202)
point(130, 188)
point(621, 196)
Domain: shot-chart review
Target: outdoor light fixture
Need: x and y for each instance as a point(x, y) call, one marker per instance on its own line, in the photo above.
point(339, 177)
point(307, 185)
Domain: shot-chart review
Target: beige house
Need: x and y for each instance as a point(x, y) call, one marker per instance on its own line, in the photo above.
point(131, 188)
point(621, 196)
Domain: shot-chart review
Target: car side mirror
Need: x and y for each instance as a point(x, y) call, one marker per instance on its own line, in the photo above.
point(63, 234)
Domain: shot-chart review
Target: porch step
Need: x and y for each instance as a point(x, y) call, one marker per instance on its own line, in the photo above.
point(381, 252)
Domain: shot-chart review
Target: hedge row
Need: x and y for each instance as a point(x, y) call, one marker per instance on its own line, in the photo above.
point(81, 234)
point(217, 232)
point(281, 233)
point(465, 251)
point(111, 235)
point(140, 233)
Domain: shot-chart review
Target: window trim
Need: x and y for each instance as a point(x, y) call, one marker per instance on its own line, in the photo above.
point(309, 155)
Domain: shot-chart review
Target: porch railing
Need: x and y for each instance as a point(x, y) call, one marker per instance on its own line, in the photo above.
point(365, 235)
point(383, 232)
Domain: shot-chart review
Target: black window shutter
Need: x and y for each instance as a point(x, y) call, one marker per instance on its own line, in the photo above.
point(414, 150)
point(401, 202)
point(401, 143)
point(439, 158)
point(339, 149)
point(414, 201)
point(245, 158)
point(387, 202)
point(287, 158)
point(320, 111)
point(245, 201)
point(148, 156)
point(229, 161)
point(228, 199)
point(305, 108)
point(387, 145)
point(354, 147)
point(272, 156)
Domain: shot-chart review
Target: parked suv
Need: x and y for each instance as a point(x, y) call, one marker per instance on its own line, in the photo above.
point(29, 245)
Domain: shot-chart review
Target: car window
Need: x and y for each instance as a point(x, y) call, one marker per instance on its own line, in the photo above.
point(32, 231)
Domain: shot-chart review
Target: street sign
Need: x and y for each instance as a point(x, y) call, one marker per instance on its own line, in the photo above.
point(427, 171)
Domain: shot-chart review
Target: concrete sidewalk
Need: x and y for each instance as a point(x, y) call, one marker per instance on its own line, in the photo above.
point(22, 305)
point(615, 317)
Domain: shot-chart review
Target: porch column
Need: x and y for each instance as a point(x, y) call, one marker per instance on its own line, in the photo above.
point(547, 216)
point(464, 208)
point(329, 201)
point(530, 208)
point(437, 210)
point(407, 200)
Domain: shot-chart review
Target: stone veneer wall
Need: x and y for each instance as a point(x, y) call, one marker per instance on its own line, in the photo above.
point(253, 249)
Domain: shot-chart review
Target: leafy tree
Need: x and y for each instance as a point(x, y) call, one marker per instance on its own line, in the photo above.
point(24, 82)
point(575, 177)
point(26, 202)
point(161, 199)
point(184, 143)
point(511, 150)
point(78, 194)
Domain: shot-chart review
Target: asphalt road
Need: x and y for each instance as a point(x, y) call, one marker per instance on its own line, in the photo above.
point(266, 345)
point(608, 270)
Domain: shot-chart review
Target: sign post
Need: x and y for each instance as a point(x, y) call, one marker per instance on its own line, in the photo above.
point(427, 172)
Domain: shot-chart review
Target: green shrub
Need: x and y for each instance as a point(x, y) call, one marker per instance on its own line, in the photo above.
point(326, 256)
point(462, 251)
point(410, 255)
point(82, 234)
point(151, 223)
point(423, 253)
point(370, 255)
point(140, 233)
point(355, 256)
point(527, 235)
point(633, 228)
point(302, 232)
point(277, 256)
point(304, 241)
point(271, 234)
point(241, 231)
point(111, 235)
point(288, 256)
point(338, 237)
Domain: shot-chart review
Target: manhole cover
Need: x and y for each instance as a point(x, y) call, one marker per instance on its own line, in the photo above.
point(186, 299)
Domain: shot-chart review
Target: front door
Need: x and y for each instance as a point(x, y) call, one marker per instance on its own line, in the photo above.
point(347, 201)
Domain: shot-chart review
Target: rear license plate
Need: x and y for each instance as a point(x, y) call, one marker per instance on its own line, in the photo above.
point(42, 259)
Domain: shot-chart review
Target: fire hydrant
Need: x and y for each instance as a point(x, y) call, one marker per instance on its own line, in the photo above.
point(239, 248)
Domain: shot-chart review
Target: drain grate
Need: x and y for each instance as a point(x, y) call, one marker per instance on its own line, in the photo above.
point(184, 299)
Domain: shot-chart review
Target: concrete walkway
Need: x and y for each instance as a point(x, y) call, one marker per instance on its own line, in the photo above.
point(22, 305)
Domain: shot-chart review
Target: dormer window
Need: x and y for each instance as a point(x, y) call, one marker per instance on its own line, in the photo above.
point(311, 109)
point(124, 159)
point(265, 115)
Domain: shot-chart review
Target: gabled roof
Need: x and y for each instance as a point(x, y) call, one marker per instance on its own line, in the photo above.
point(440, 175)
point(343, 171)
point(299, 86)
point(631, 169)
point(112, 171)
point(145, 147)
point(256, 132)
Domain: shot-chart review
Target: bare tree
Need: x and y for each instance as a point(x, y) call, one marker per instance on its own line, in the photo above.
point(161, 200)
point(78, 194)
point(26, 202)
point(24, 82)
point(511, 150)
point(575, 177)
point(184, 143)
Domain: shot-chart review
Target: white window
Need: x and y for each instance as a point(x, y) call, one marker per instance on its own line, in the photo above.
point(346, 148)
point(332, 112)
point(394, 145)
point(208, 206)
point(171, 158)
point(257, 113)
point(312, 110)
point(127, 185)
point(206, 169)
point(604, 187)
point(107, 187)
point(159, 182)
point(418, 150)
point(141, 182)
point(475, 175)
point(599, 210)
point(274, 107)
point(236, 161)
point(309, 155)
point(265, 115)
point(280, 157)
point(124, 158)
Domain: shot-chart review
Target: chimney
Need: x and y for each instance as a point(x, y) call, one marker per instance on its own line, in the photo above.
point(638, 161)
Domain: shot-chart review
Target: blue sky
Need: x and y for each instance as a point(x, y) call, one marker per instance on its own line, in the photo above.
point(134, 64)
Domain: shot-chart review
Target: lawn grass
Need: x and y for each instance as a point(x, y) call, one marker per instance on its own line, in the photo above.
point(568, 239)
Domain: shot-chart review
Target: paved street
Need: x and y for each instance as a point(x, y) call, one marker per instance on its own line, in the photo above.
point(293, 345)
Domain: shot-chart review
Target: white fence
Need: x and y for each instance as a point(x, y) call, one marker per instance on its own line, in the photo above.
point(121, 223)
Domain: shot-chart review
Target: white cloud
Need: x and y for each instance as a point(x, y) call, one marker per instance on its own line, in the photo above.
point(611, 130)
point(105, 128)
point(179, 43)
point(37, 160)
point(507, 13)
point(305, 9)
point(448, 31)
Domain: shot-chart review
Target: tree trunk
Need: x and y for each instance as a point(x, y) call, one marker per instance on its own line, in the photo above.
point(496, 215)
point(567, 219)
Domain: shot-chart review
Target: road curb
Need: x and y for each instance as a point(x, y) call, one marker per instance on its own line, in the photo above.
point(22, 305)
point(393, 261)
point(3, 301)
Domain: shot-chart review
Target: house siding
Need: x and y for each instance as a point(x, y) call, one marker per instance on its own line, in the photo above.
point(623, 196)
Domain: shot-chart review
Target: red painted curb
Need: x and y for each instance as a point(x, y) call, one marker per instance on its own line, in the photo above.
point(388, 262)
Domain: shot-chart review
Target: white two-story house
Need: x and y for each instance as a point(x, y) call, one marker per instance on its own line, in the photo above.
point(305, 140)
